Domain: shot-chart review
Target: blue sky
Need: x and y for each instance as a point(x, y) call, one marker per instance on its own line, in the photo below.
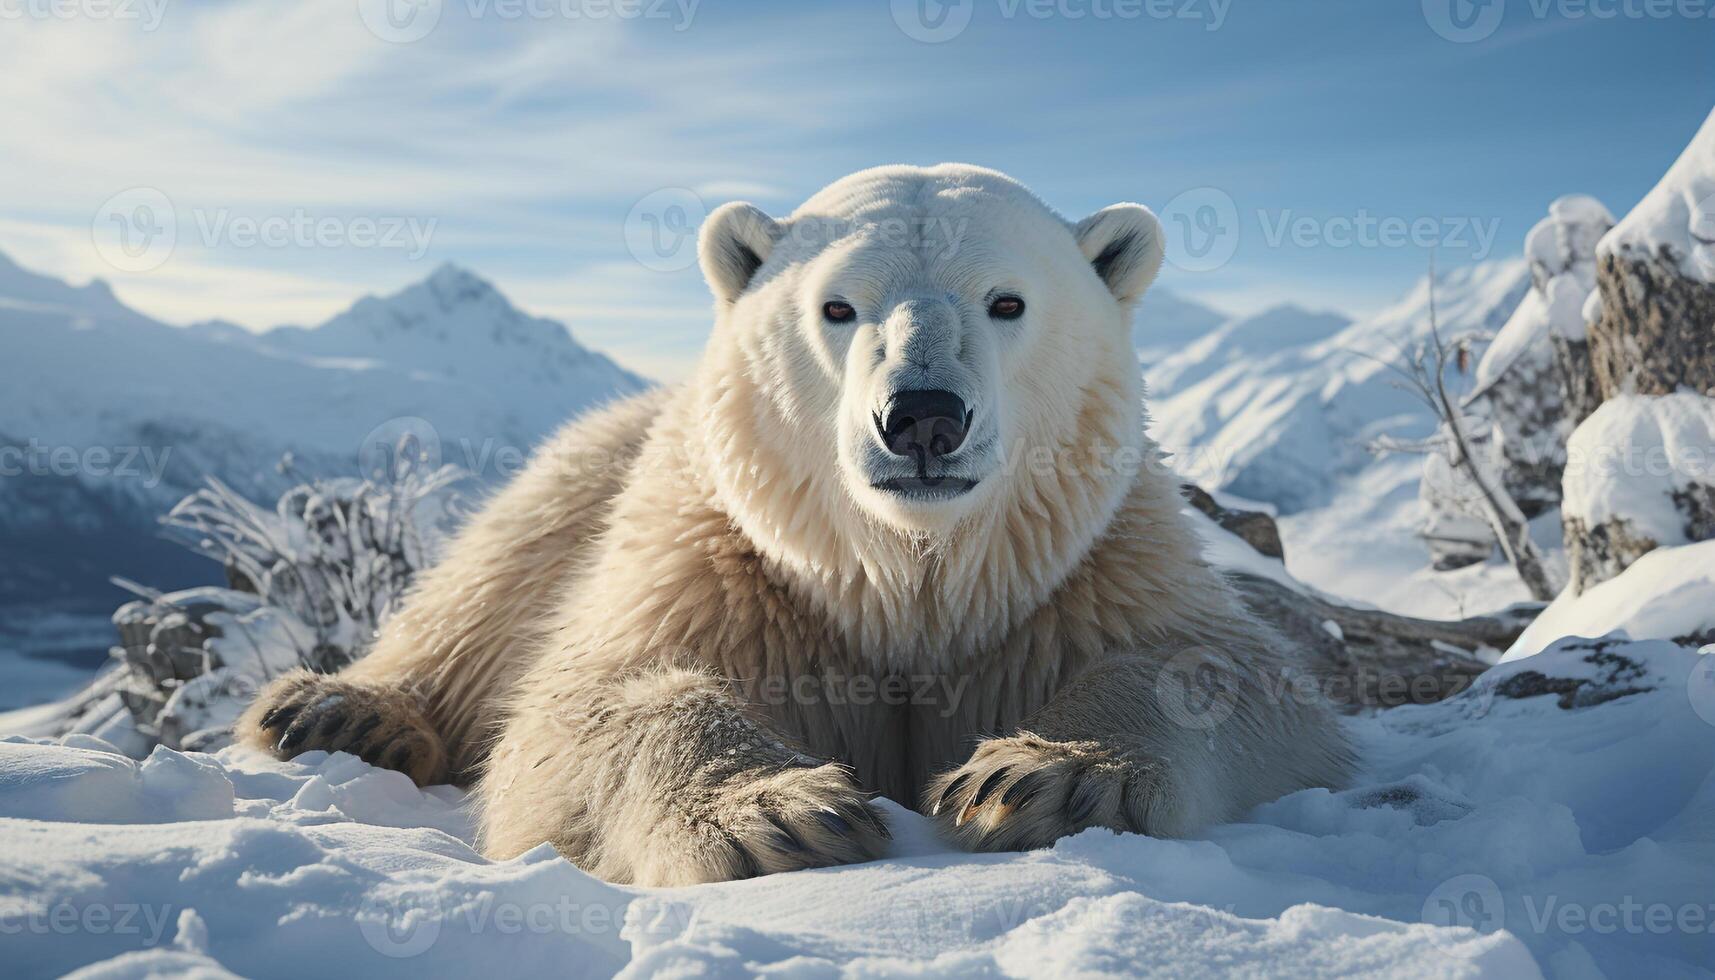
point(307, 152)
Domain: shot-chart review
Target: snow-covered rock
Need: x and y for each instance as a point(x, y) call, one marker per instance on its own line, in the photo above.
point(1532, 379)
point(1656, 332)
point(1281, 406)
point(1640, 474)
point(1676, 219)
point(1552, 819)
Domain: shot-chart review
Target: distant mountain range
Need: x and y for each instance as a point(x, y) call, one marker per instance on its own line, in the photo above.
point(1166, 322)
point(108, 417)
point(1279, 406)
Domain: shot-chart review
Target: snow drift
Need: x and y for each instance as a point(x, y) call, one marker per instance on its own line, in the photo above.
point(1554, 816)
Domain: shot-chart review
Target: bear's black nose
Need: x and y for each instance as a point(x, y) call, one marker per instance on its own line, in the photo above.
point(923, 425)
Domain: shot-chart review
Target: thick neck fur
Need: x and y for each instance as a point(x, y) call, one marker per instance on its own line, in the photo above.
point(911, 600)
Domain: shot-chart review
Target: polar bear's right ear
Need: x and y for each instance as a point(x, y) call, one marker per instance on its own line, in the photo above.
point(1125, 246)
point(733, 244)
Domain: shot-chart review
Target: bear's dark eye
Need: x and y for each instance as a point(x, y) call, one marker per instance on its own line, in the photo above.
point(1007, 308)
point(838, 312)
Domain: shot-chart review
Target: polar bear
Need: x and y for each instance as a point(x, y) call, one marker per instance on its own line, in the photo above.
point(902, 534)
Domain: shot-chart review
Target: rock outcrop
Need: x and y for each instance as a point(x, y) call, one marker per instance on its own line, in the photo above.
point(1656, 334)
point(1364, 659)
point(1644, 458)
point(1254, 527)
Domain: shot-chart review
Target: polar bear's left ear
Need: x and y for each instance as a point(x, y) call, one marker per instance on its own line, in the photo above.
point(735, 241)
point(1125, 246)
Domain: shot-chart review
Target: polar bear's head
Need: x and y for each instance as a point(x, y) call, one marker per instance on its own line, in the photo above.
point(915, 348)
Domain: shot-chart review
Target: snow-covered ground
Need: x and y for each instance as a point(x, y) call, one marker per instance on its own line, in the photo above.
point(1364, 546)
point(1554, 817)
point(1668, 594)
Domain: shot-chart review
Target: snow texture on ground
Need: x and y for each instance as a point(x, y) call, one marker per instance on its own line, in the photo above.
point(1668, 594)
point(1365, 547)
point(1556, 817)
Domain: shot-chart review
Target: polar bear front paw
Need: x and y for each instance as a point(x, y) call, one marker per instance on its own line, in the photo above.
point(305, 712)
point(786, 820)
point(1026, 792)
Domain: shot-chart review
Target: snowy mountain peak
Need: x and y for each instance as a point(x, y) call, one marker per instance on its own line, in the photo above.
point(215, 399)
point(456, 325)
point(21, 288)
point(455, 285)
point(450, 294)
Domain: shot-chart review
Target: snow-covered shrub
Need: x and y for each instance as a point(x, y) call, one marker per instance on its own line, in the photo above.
point(336, 554)
point(312, 580)
point(1640, 474)
point(1455, 525)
